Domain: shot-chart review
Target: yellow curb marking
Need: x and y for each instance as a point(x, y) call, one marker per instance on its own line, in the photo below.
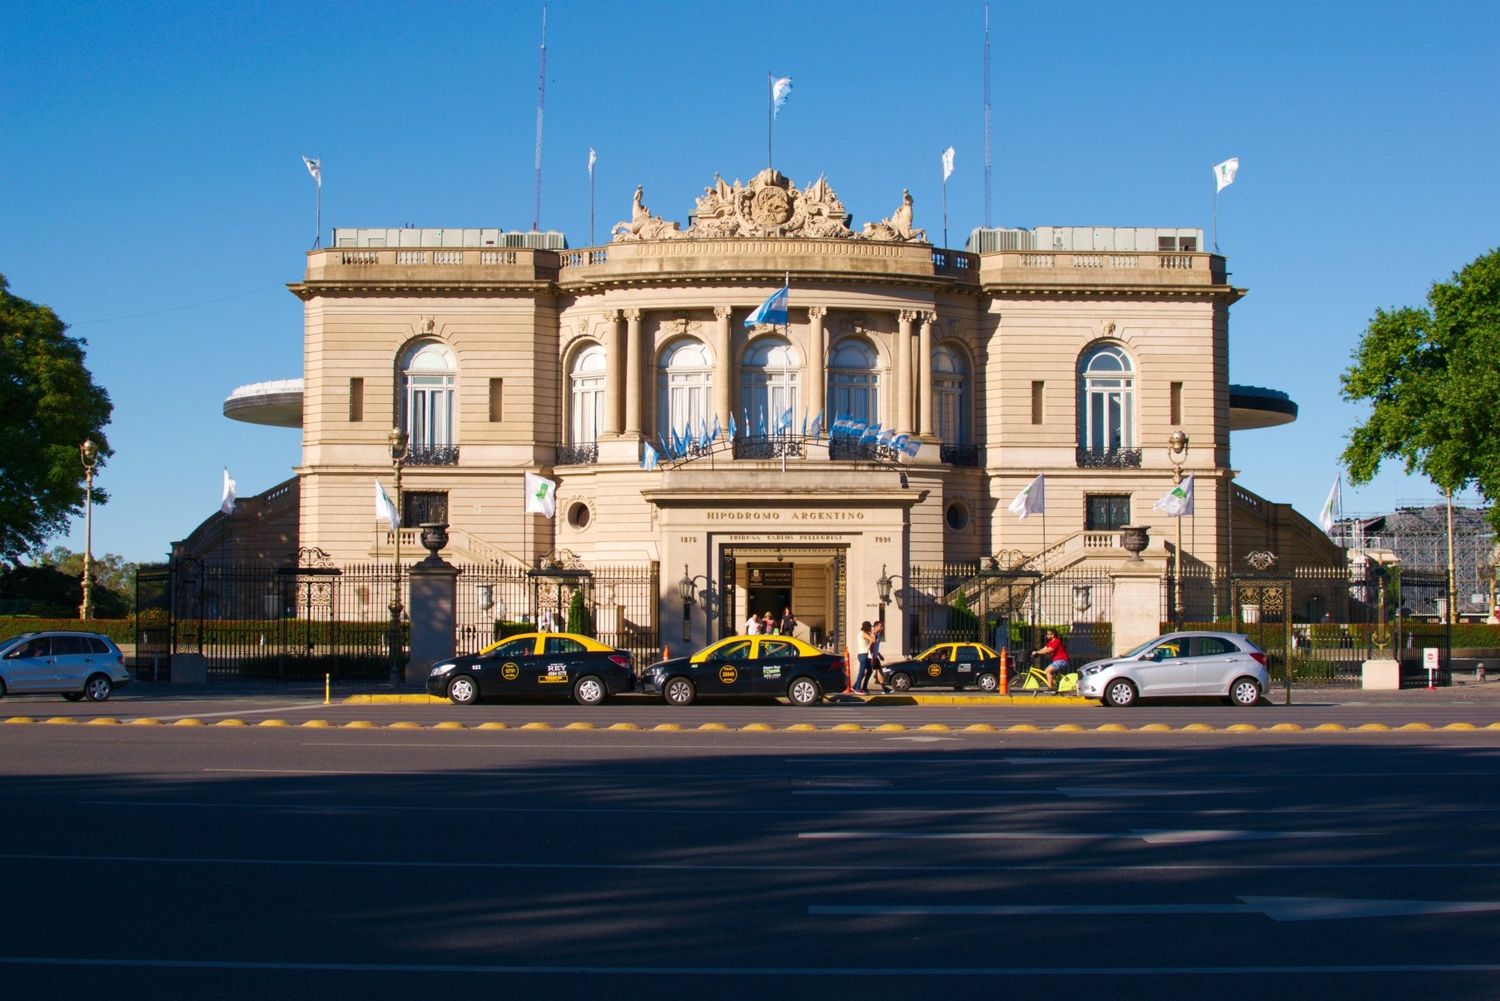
point(1372, 726)
point(1024, 728)
point(1067, 728)
point(494, 725)
point(579, 726)
point(404, 725)
point(190, 721)
point(757, 728)
point(102, 721)
point(317, 724)
point(1460, 726)
point(1111, 728)
point(1415, 726)
point(1153, 728)
point(979, 728)
point(891, 728)
point(272, 722)
point(536, 725)
point(230, 722)
point(1330, 727)
point(801, 728)
point(449, 724)
point(669, 727)
point(935, 728)
point(20, 719)
point(1287, 728)
point(60, 720)
point(848, 728)
point(714, 726)
point(1241, 728)
point(624, 726)
point(1493, 726)
point(360, 724)
point(146, 721)
point(1197, 728)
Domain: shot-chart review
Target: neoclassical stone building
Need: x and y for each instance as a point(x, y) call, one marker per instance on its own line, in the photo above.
point(1069, 352)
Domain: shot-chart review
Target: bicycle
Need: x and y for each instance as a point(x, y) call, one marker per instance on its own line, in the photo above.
point(1034, 679)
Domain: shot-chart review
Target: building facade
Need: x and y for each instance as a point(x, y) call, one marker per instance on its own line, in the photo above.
point(1069, 353)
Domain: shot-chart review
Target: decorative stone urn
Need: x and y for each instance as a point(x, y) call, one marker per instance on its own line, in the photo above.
point(434, 537)
point(1134, 539)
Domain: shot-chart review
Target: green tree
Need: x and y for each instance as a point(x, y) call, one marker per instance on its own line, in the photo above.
point(48, 406)
point(1432, 381)
point(579, 619)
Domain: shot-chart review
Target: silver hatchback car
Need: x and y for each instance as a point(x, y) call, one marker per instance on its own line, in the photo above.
point(1228, 665)
point(73, 665)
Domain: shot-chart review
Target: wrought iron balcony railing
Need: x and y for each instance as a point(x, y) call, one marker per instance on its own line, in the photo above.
point(850, 450)
point(431, 455)
point(768, 447)
point(959, 455)
point(1114, 458)
point(583, 453)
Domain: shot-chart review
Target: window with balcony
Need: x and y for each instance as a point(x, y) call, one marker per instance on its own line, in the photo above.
point(854, 382)
point(684, 388)
point(1106, 409)
point(428, 374)
point(770, 374)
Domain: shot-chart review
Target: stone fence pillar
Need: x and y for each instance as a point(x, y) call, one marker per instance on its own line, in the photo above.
point(434, 600)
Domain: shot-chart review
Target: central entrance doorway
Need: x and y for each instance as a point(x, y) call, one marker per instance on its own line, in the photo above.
point(810, 580)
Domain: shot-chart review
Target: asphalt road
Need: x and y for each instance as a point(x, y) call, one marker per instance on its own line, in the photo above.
point(291, 862)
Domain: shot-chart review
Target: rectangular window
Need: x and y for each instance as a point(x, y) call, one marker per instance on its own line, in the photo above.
point(1036, 402)
point(356, 400)
point(1106, 512)
point(418, 506)
point(497, 400)
point(1176, 404)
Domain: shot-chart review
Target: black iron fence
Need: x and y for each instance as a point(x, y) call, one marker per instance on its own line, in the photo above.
point(301, 622)
point(1007, 608)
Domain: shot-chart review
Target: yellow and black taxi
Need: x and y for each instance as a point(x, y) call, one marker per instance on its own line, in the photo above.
point(947, 665)
point(529, 665)
point(748, 665)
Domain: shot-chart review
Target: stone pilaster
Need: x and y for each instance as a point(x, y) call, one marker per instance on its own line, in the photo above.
point(723, 365)
point(901, 372)
point(817, 363)
point(634, 353)
point(614, 349)
point(924, 375)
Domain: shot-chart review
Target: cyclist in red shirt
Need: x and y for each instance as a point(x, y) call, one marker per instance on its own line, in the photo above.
point(1059, 653)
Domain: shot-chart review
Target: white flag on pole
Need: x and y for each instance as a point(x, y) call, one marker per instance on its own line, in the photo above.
point(315, 168)
point(1333, 507)
point(384, 509)
point(592, 157)
point(1032, 499)
point(541, 495)
point(781, 86)
point(226, 502)
point(1224, 173)
point(1178, 501)
point(947, 164)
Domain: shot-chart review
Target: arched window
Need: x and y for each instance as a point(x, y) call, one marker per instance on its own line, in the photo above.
point(1106, 404)
point(950, 396)
point(684, 388)
point(769, 380)
point(427, 375)
point(587, 413)
point(854, 382)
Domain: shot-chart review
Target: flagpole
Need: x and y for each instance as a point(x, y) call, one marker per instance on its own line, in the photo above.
point(591, 198)
point(1216, 215)
point(770, 115)
point(318, 235)
point(945, 211)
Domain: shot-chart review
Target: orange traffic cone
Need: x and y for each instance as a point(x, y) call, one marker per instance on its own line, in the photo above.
point(848, 681)
point(666, 652)
point(1004, 671)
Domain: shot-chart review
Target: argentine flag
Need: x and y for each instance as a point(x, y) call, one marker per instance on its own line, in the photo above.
point(650, 459)
point(772, 311)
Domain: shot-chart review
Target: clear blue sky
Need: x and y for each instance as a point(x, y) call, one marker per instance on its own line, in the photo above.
point(154, 194)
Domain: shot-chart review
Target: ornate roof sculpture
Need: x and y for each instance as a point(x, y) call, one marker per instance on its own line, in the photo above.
point(769, 206)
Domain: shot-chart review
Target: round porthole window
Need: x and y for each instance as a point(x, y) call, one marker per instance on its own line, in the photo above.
point(579, 516)
point(957, 516)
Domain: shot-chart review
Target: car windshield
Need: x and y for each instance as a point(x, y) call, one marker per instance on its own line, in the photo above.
point(1137, 651)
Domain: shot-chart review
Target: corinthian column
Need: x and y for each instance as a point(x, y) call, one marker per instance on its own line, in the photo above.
point(633, 371)
point(816, 364)
point(614, 372)
point(924, 375)
point(902, 372)
point(723, 366)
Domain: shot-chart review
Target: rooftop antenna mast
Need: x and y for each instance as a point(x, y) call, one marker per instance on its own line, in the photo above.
point(541, 96)
point(986, 116)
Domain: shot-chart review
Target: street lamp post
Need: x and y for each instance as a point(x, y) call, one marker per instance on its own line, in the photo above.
point(883, 585)
point(687, 590)
point(1177, 450)
point(397, 441)
point(88, 454)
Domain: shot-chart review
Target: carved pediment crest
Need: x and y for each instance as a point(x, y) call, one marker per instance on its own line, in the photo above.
point(642, 225)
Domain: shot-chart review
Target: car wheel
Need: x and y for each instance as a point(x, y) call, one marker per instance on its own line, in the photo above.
point(98, 687)
point(72, 696)
point(989, 683)
point(803, 692)
point(1244, 692)
point(901, 681)
point(589, 691)
point(679, 692)
point(463, 690)
point(1119, 693)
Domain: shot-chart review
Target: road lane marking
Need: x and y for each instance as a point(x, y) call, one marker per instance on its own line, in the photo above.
point(1184, 837)
point(1275, 908)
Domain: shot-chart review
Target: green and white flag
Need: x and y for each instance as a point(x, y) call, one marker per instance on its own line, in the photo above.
point(541, 495)
point(384, 509)
point(1333, 507)
point(1224, 173)
point(1032, 499)
point(1178, 501)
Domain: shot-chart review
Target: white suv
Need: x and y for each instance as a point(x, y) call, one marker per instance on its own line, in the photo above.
point(74, 665)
